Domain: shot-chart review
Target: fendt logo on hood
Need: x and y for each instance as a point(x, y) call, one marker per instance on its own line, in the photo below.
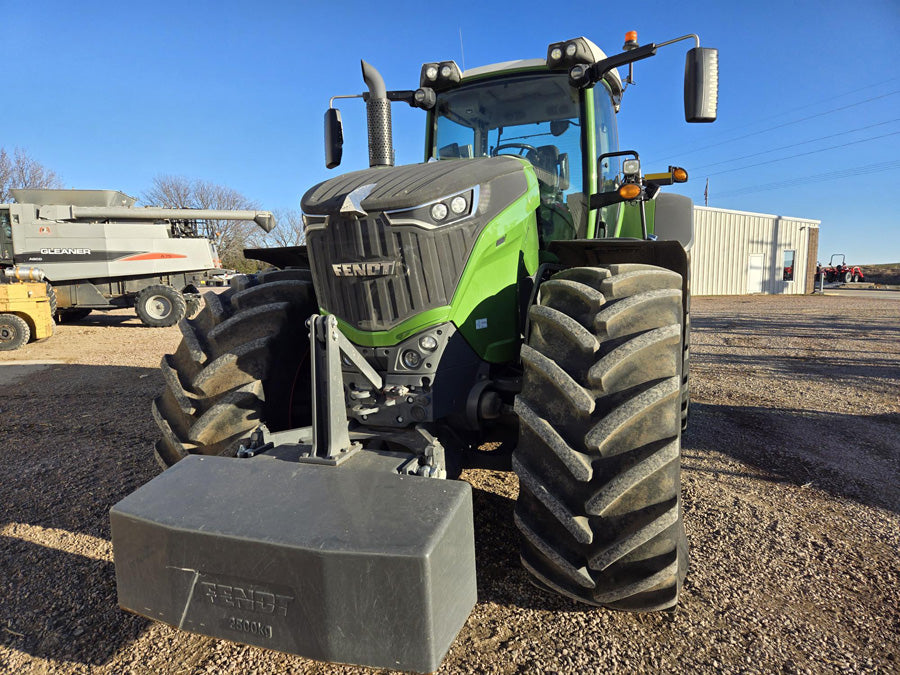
point(370, 269)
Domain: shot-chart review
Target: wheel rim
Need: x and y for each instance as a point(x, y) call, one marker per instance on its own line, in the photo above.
point(7, 334)
point(158, 306)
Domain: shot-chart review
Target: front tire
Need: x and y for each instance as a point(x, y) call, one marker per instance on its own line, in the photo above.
point(243, 361)
point(599, 450)
point(160, 306)
point(14, 332)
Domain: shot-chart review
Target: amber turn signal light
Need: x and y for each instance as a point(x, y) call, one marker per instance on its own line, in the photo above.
point(679, 175)
point(629, 191)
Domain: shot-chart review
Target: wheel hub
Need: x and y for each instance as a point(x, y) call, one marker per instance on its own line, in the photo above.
point(159, 307)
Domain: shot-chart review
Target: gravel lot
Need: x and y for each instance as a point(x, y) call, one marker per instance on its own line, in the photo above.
point(792, 505)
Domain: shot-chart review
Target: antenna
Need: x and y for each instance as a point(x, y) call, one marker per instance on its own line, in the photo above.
point(461, 50)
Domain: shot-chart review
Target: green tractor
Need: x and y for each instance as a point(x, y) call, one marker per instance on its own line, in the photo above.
point(519, 301)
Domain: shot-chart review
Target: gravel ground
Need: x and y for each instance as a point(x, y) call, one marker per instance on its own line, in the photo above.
point(791, 499)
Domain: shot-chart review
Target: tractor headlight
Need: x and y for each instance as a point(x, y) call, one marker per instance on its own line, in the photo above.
point(631, 167)
point(440, 76)
point(577, 75)
point(564, 55)
point(411, 359)
point(439, 211)
point(428, 343)
point(458, 205)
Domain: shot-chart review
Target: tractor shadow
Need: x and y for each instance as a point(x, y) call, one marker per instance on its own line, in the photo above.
point(501, 577)
point(849, 456)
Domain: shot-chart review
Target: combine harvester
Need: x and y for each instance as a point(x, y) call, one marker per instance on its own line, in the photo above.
point(526, 287)
point(99, 251)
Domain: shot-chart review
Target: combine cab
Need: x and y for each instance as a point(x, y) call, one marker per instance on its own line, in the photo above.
point(519, 301)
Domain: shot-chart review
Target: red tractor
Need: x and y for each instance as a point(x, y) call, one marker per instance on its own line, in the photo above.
point(839, 271)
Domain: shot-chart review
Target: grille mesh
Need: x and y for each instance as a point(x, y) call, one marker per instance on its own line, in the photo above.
point(429, 266)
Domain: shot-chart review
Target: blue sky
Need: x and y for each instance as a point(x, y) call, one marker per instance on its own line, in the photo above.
point(112, 94)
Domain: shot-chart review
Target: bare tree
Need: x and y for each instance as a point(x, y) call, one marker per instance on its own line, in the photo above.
point(230, 236)
point(288, 231)
point(23, 171)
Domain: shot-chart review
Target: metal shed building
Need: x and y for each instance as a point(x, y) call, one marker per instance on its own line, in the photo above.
point(737, 253)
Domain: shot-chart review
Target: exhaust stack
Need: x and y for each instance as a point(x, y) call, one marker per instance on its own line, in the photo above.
point(378, 115)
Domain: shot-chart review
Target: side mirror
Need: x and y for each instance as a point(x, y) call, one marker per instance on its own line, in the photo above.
point(334, 138)
point(701, 84)
point(564, 171)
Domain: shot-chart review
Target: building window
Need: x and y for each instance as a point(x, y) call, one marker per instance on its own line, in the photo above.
point(788, 265)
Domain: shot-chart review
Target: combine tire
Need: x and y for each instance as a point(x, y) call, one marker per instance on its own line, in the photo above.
point(14, 332)
point(160, 306)
point(599, 449)
point(243, 361)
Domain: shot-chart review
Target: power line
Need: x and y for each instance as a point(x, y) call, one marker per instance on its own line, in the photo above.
point(787, 124)
point(794, 145)
point(815, 178)
point(811, 152)
point(802, 107)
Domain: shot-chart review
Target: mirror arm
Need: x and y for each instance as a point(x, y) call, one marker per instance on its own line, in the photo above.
point(599, 69)
point(404, 95)
point(333, 98)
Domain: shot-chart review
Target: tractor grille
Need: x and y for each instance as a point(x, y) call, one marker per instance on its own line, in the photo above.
point(427, 267)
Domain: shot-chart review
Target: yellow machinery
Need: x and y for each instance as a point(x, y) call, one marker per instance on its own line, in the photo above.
point(25, 312)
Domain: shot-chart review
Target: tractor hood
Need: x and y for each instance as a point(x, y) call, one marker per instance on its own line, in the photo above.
point(409, 186)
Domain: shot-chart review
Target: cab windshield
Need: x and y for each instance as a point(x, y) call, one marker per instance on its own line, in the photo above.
point(537, 117)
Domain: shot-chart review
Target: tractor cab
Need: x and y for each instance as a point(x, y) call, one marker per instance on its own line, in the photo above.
point(557, 114)
point(537, 115)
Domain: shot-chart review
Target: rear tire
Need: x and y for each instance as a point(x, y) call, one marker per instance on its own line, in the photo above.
point(14, 332)
point(598, 458)
point(848, 277)
point(160, 306)
point(243, 361)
